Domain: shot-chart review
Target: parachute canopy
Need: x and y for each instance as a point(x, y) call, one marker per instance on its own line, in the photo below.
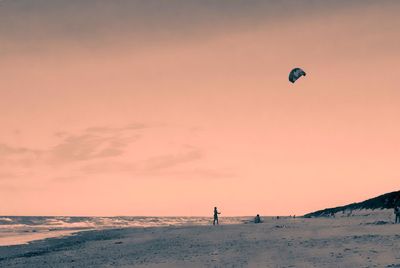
point(295, 74)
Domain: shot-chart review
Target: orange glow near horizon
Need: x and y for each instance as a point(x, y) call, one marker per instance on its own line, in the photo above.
point(178, 120)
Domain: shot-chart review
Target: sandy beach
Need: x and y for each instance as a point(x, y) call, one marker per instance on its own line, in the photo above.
point(363, 240)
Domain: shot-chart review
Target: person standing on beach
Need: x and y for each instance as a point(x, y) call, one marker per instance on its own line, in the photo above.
point(397, 213)
point(216, 215)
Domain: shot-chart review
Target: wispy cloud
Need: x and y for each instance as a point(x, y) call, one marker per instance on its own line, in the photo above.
point(88, 146)
point(149, 165)
point(171, 160)
point(92, 143)
point(7, 150)
point(101, 149)
point(108, 129)
point(19, 156)
point(185, 164)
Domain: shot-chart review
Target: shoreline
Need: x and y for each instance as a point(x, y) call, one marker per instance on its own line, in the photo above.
point(25, 238)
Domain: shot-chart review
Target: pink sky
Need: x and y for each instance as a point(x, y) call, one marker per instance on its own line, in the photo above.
point(147, 108)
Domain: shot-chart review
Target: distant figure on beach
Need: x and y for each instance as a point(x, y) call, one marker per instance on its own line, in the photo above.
point(397, 213)
point(257, 219)
point(216, 215)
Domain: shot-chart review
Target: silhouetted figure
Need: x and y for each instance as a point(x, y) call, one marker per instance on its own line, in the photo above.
point(216, 215)
point(257, 219)
point(397, 213)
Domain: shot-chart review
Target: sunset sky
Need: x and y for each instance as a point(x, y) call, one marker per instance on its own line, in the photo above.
point(153, 107)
